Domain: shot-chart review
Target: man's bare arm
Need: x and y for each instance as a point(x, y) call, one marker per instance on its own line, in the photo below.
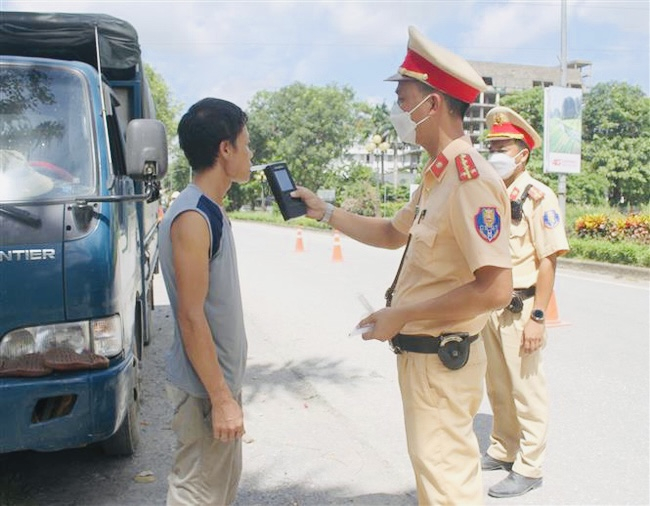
point(190, 244)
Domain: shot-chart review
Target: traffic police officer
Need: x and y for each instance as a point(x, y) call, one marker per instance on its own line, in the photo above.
point(456, 268)
point(514, 336)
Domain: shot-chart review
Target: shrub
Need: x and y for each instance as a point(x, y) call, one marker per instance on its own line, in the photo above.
point(275, 218)
point(611, 252)
point(361, 198)
point(388, 209)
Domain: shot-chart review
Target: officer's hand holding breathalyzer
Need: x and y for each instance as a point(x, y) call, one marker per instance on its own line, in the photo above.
point(315, 206)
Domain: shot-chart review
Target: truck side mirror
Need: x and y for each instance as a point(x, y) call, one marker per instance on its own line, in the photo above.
point(146, 149)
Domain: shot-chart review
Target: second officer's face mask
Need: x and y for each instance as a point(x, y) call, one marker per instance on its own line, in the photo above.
point(505, 165)
point(403, 124)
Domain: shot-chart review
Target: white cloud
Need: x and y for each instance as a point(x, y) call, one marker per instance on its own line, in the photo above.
point(236, 48)
point(625, 15)
point(500, 31)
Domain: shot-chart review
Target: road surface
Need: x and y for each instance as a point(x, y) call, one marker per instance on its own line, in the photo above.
point(323, 411)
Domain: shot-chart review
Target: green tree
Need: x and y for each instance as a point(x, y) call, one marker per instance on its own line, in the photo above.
point(375, 120)
point(615, 144)
point(624, 163)
point(307, 126)
point(616, 136)
point(167, 111)
point(530, 105)
point(615, 109)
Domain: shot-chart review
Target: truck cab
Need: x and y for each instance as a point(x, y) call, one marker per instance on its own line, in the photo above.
point(81, 156)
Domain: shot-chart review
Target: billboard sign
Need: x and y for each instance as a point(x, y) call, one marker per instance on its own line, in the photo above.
point(562, 129)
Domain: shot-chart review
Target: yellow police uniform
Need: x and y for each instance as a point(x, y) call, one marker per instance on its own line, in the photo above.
point(516, 383)
point(456, 220)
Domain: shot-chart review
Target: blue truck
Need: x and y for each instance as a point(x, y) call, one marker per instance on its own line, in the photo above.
point(81, 158)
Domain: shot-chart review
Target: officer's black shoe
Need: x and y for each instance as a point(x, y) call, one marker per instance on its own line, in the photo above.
point(491, 464)
point(513, 485)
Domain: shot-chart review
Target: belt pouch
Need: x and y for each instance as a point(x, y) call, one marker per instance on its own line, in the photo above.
point(454, 350)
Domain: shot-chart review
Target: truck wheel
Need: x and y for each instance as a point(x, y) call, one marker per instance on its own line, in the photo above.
point(124, 442)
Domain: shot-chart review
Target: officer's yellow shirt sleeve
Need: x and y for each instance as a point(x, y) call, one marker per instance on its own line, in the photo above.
point(547, 227)
point(480, 219)
point(403, 218)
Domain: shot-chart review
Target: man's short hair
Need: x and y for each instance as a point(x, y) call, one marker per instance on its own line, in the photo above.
point(205, 126)
point(455, 106)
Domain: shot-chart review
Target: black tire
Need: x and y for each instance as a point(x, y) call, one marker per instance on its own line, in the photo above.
point(125, 441)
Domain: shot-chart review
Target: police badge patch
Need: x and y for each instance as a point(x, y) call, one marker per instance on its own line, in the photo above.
point(551, 218)
point(488, 223)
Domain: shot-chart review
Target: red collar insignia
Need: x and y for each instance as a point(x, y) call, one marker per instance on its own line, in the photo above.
point(514, 194)
point(439, 165)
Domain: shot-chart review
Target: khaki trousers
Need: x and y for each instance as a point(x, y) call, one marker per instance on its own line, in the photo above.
point(439, 408)
point(516, 387)
point(205, 471)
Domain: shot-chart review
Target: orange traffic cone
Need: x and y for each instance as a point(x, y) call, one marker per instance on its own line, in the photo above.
point(299, 245)
point(337, 255)
point(552, 316)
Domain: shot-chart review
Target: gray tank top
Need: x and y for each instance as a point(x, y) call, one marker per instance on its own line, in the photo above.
point(223, 305)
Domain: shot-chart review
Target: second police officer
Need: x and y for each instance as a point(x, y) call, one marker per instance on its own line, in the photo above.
point(515, 336)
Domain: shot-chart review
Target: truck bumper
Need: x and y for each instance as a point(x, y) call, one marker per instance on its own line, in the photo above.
point(65, 410)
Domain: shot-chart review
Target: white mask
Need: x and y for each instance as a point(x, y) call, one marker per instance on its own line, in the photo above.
point(505, 165)
point(403, 124)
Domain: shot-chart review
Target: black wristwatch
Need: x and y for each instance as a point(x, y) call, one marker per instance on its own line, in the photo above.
point(537, 316)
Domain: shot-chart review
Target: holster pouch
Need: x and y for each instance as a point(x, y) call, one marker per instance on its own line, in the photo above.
point(516, 211)
point(454, 350)
point(516, 304)
point(517, 206)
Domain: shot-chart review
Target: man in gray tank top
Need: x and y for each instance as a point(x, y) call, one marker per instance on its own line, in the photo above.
point(206, 363)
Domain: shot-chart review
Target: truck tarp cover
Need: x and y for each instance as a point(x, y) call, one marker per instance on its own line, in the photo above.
point(71, 37)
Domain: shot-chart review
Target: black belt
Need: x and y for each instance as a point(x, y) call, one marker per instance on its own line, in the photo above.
point(422, 344)
point(525, 293)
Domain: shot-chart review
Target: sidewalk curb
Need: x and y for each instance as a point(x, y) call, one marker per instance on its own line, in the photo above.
point(622, 271)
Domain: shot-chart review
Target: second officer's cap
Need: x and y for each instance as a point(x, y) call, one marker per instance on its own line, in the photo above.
point(504, 123)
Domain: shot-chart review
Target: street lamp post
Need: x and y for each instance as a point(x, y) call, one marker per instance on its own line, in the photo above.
point(378, 144)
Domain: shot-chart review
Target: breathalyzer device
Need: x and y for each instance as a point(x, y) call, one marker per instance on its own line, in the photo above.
point(282, 184)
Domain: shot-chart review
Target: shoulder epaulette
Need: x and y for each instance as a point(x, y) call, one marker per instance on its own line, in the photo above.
point(466, 167)
point(535, 193)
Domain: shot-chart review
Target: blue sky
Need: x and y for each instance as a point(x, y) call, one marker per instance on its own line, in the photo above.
point(232, 49)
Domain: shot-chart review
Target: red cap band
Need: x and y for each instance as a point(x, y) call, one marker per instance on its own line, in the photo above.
point(513, 131)
point(438, 78)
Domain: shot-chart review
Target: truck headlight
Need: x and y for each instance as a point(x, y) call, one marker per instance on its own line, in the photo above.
point(17, 343)
point(107, 336)
point(103, 336)
point(41, 338)
point(63, 335)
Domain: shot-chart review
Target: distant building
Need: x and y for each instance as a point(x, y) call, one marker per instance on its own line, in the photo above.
point(505, 78)
point(501, 79)
point(404, 157)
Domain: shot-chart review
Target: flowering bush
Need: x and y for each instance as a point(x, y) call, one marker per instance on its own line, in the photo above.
point(634, 227)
